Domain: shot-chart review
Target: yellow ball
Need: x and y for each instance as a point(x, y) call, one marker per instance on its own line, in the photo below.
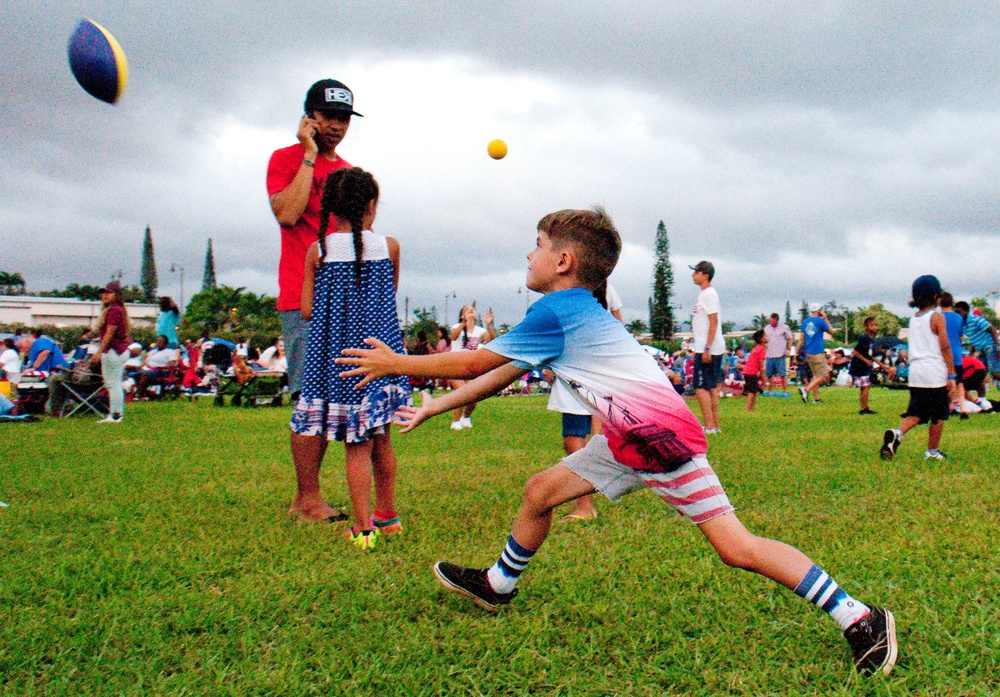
point(497, 149)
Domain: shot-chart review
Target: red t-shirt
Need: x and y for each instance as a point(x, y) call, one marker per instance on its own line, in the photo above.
point(115, 317)
point(754, 358)
point(970, 364)
point(295, 240)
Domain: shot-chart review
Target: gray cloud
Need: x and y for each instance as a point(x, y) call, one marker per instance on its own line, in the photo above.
point(785, 141)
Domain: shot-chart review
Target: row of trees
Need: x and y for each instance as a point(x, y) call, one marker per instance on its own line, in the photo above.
point(149, 279)
point(13, 283)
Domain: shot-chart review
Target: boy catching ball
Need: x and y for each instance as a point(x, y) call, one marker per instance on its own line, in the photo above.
point(651, 438)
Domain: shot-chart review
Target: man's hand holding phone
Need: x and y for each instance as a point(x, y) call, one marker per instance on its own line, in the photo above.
point(307, 136)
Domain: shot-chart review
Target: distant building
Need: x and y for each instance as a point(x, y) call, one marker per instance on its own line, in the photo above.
point(34, 311)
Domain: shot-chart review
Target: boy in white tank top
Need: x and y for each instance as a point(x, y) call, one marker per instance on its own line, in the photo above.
point(929, 372)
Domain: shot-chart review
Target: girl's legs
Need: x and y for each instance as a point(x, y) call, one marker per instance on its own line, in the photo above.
point(457, 414)
point(384, 466)
point(307, 454)
point(359, 482)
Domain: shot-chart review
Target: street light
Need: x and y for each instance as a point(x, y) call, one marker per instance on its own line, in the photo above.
point(527, 297)
point(174, 268)
point(452, 294)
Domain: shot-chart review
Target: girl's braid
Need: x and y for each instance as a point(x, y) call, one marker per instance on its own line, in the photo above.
point(346, 195)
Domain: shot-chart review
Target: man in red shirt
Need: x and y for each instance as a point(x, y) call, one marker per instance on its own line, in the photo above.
point(295, 179)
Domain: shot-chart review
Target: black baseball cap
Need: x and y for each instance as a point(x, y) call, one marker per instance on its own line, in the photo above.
point(704, 267)
point(330, 95)
point(926, 286)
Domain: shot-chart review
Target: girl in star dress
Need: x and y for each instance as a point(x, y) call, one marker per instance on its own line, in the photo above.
point(349, 294)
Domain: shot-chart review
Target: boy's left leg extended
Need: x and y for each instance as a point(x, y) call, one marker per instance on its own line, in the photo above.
point(870, 631)
point(490, 588)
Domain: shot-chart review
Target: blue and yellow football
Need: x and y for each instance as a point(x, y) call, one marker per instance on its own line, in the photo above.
point(97, 61)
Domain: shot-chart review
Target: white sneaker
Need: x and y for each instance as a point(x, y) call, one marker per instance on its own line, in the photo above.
point(109, 419)
point(466, 422)
point(456, 425)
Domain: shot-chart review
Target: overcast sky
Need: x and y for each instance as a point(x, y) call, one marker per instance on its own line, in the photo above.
point(811, 150)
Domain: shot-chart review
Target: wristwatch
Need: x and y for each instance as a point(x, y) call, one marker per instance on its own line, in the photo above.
point(310, 163)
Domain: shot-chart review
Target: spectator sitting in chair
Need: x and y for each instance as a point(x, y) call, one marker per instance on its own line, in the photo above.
point(161, 362)
point(10, 362)
point(273, 357)
point(45, 355)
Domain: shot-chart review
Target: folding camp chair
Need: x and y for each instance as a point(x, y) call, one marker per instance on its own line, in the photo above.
point(85, 392)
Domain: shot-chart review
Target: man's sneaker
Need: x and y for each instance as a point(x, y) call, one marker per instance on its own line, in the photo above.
point(873, 640)
point(804, 395)
point(456, 425)
point(111, 419)
point(466, 422)
point(866, 410)
point(890, 443)
point(934, 454)
point(473, 584)
point(363, 539)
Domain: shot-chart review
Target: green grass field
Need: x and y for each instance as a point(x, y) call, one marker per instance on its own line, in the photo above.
point(156, 558)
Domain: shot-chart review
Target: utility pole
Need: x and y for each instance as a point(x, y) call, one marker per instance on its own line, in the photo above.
point(175, 268)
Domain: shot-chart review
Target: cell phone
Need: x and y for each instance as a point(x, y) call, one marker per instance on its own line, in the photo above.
point(310, 115)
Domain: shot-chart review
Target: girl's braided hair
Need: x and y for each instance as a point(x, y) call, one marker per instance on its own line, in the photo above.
point(346, 196)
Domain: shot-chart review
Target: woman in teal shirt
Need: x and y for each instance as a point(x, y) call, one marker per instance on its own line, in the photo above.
point(167, 321)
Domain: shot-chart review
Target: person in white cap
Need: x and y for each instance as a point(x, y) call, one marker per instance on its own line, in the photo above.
point(813, 328)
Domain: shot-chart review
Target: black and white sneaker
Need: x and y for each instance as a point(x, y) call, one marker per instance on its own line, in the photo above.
point(804, 395)
point(890, 443)
point(873, 640)
point(473, 584)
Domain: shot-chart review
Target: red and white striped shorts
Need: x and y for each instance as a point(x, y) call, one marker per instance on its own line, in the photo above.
point(693, 489)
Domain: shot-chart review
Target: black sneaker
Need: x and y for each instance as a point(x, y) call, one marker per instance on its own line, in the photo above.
point(473, 584)
point(890, 442)
point(873, 640)
point(867, 411)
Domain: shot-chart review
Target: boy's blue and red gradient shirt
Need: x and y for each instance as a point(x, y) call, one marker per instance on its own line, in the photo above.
point(648, 425)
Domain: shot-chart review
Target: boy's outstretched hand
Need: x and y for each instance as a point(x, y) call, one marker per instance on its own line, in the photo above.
point(373, 363)
point(411, 417)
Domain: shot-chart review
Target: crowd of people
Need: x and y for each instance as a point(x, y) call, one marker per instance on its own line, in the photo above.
point(128, 370)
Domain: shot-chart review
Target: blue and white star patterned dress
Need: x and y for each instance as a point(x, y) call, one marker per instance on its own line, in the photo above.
point(343, 315)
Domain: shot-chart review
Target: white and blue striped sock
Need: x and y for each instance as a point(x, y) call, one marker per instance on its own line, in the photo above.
point(504, 574)
point(821, 590)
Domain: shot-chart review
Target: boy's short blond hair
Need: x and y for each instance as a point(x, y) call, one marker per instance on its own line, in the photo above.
point(593, 237)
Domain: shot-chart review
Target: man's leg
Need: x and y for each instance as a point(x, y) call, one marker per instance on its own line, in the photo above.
point(704, 398)
point(863, 397)
point(934, 435)
point(295, 334)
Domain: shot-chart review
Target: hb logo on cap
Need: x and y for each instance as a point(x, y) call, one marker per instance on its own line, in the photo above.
point(339, 94)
